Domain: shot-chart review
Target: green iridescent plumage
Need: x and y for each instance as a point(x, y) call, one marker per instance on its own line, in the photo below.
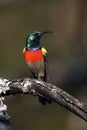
point(33, 41)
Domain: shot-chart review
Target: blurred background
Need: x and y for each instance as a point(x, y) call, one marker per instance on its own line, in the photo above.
point(67, 53)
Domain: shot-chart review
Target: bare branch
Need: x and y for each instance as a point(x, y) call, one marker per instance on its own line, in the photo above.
point(47, 90)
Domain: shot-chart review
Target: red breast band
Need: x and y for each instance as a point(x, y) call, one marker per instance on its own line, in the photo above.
point(33, 55)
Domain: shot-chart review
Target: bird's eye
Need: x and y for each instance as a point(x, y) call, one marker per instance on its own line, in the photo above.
point(31, 37)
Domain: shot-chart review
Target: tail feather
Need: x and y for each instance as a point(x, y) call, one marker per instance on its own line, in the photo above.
point(45, 78)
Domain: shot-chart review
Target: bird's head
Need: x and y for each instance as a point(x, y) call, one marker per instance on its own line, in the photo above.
point(33, 39)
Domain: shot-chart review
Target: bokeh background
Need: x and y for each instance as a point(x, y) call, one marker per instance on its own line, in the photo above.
point(67, 53)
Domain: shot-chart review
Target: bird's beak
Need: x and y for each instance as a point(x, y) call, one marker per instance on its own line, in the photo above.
point(41, 33)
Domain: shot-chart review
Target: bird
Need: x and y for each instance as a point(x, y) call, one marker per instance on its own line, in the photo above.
point(36, 58)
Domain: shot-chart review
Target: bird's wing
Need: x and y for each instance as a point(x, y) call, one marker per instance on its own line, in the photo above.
point(42, 99)
point(44, 52)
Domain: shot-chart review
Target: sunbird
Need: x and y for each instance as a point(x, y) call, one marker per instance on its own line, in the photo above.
point(36, 58)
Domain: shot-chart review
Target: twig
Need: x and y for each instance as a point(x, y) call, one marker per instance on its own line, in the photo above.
point(47, 90)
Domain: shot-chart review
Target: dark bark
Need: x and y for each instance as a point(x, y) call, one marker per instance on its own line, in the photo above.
point(47, 90)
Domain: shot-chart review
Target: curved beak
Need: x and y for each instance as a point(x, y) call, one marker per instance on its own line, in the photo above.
point(41, 33)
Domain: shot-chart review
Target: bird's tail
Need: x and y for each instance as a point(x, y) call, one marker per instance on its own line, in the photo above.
point(43, 100)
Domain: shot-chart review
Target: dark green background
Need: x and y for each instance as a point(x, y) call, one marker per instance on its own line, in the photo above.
point(67, 53)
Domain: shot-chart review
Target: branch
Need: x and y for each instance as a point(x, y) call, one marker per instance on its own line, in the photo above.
point(4, 117)
point(43, 89)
